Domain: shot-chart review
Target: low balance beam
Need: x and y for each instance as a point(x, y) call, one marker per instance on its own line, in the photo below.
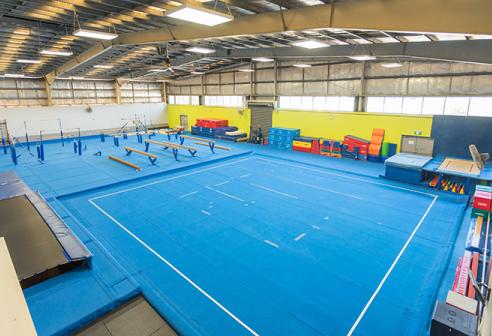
point(175, 147)
point(129, 164)
point(216, 146)
point(170, 132)
point(211, 143)
point(152, 157)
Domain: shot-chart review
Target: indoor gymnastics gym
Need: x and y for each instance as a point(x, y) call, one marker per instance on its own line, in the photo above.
point(245, 167)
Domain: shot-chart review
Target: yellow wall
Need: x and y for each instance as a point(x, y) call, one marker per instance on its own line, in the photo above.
point(328, 125)
point(336, 125)
point(238, 117)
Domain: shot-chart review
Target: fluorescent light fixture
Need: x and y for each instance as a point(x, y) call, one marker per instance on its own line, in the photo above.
point(302, 65)
point(94, 34)
point(101, 66)
point(200, 15)
point(363, 57)
point(481, 37)
point(416, 38)
point(246, 70)
point(28, 61)
point(310, 44)
point(56, 52)
point(22, 31)
point(157, 8)
point(262, 59)
point(10, 75)
point(157, 70)
point(200, 50)
point(387, 39)
point(359, 41)
point(77, 78)
point(197, 73)
point(392, 65)
point(450, 37)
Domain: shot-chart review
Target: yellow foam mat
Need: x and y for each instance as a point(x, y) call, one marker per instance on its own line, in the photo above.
point(459, 166)
point(302, 144)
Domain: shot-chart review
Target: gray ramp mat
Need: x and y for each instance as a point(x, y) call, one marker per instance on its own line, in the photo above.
point(34, 248)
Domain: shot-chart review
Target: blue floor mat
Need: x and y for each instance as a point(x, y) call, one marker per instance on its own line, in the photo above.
point(241, 244)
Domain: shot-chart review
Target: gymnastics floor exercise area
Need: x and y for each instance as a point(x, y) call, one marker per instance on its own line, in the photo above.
point(260, 245)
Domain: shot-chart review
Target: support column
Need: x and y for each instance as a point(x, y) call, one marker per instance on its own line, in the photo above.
point(117, 91)
point(47, 88)
point(361, 99)
point(164, 92)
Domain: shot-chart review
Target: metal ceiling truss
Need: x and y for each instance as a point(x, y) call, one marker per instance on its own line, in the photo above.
point(261, 28)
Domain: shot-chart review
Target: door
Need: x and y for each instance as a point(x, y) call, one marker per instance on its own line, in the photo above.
point(183, 120)
point(261, 118)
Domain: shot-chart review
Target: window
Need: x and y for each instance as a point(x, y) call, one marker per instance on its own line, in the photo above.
point(412, 105)
point(433, 105)
point(310, 103)
point(461, 106)
point(393, 104)
point(229, 101)
point(457, 106)
point(480, 106)
point(184, 100)
point(375, 104)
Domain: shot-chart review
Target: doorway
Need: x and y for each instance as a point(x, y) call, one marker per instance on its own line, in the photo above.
point(261, 118)
point(183, 121)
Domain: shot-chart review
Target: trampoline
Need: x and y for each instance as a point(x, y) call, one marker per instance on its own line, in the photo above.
point(32, 230)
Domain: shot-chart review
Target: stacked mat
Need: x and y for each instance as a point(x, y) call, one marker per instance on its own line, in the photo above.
point(212, 123)
point(463, 294)
point(331, 148)
point(303, 144)
point(282, 138)
point(482, 201)
point(203, 131)
point(374, 150)
point(354, 148)
point(387, 150)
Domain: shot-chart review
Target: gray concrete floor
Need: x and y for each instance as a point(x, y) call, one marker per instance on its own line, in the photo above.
point(137, 318)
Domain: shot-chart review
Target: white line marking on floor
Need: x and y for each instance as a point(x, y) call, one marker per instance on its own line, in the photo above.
point(346, 176)
point(325, 189)
point(299, 237)
point(170, 178)
point(175, 269)
point(222, 183)
point(274, 191)
point(315, 227)
point(225, 194)
point(188, 194)
point(271, 243)
point(206, 212)
point(378, 288)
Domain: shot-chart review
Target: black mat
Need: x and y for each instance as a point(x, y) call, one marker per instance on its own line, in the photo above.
point(35, 251)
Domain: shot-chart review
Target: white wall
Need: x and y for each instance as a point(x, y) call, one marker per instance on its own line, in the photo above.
point(101, 117)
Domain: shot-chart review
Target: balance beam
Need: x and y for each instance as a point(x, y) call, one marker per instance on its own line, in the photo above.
point(168, 132)
point(211, 143)
point(173, 146)
point(129, 164)
point(152, 157)
point(216, 146)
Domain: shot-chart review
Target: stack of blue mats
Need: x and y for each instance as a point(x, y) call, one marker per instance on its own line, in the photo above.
point(281, 137)
point(203, 131)
point(223, 130)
